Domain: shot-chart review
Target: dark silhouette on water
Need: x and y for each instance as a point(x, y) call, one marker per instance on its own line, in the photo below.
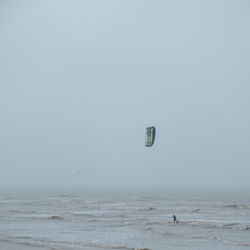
point(175, 220)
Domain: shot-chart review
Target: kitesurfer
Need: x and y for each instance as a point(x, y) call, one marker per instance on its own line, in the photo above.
point(174, 218)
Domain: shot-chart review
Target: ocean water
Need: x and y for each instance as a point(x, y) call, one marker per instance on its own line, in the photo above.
point(84, 218)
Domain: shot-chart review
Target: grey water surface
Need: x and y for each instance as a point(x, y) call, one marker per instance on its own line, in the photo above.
point(124, 218)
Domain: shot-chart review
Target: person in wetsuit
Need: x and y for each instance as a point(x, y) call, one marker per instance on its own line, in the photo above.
point(174, 218)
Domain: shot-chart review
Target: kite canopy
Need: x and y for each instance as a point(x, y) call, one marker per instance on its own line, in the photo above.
point(150, 136)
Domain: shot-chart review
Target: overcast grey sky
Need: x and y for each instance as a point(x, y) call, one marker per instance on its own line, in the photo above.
point(80, 81)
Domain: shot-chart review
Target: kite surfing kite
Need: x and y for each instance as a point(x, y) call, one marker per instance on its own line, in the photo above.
point(150, 136)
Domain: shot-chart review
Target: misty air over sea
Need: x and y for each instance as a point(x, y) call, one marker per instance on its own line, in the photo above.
point(116, 218)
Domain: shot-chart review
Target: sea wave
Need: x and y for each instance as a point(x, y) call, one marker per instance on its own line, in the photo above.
point(17, 211)
point(62, 216)
point(225, 241)
point(55, 217)
point(217, 224)
point(238, 206)
point(23, 241)
point(56, 244)
point(118, 208)
point(230, 242)
point(204, 223)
